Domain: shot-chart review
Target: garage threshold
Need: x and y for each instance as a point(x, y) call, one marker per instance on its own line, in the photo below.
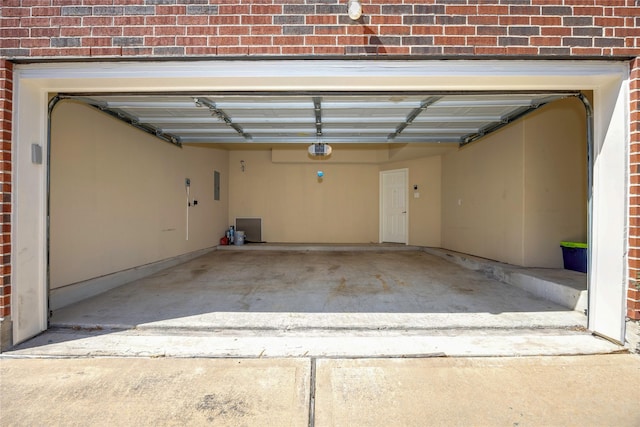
point(387, 302)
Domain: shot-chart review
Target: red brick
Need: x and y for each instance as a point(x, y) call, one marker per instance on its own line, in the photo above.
point(160, 20)
point(97, 41)
point(321, 20)
point(393, 30)
point(136, 51)
point(233, 50)
point(224, 41)
point(106, 51)
point(234, 9)
point(289, 40)
point(191, 41)
point(15, 11)
point(626, 11)
point(483, 20)
point(6, 289)
point(328, 50)
point(224, 20)
point(14, 32)
point(258, 9)
point(297, 50)
point(493, 10)
point(160, 41)
point(427, 30)
point(633, 315)
point(35, 22)
point(385, 19)
point(127, 21)
point(45, 11)
point(235, 30)
point(201, 50)
point(256, 20)
point(192, 20)
point(75, 31)
point(320, 40)
point(164, 10)
point(461, 10)
point(106, 31)
point(170, 30)
point(97, 21)
point(31, 43)
point(515, 20)
point(266, 30)
point(586, 51)
point(397, 50)
point(264, 50)
point(66, 21)
point(482, 41)
point(255, 40)
point(546, 21)
point(459, 30)
point(137, 31)
point(588, 10)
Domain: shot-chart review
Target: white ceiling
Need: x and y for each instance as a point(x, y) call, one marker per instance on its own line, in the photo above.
point(326, 117)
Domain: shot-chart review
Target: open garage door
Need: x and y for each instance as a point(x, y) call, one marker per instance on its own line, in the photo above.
point(307, 114)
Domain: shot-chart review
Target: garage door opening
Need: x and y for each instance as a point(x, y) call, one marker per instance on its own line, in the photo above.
point(510, 197)
point(120, 198)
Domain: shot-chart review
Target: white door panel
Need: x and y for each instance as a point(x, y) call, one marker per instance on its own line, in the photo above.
point(394, 211)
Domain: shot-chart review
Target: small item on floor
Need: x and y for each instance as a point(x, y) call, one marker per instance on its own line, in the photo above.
point(574, 256)
point(224, 241)
point(239, 238)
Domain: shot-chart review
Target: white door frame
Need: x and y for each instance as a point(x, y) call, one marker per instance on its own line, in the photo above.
point(406, 200)
point(607, 79)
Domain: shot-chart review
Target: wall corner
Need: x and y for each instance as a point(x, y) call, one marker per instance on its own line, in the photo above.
point(6, 334)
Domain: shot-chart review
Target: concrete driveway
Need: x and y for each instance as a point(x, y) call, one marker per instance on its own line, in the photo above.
point(584, 391)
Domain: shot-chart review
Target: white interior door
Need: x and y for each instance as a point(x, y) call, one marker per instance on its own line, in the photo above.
point(393, 206)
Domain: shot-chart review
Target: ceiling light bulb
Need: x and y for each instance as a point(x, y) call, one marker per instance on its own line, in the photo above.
point(355, 9)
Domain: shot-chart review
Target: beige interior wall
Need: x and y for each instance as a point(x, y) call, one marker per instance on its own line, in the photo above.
point(295, 206)
point(118, 196)
point(424, 211)
point(483, 197)
point(555, 182)
point(514, 195)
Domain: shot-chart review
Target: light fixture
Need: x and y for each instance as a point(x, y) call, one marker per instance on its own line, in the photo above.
point(355, 9)
point(242, 165)
point(320, 150)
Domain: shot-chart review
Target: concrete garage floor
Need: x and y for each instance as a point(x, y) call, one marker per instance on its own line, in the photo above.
point(287, 303)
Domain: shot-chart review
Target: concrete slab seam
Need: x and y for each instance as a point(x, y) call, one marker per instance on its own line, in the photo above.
point(312, 393)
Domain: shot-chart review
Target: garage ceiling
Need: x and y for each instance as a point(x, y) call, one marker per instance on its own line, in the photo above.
point(325, 117)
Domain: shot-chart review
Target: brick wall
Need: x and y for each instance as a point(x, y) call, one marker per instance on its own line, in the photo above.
point(6, 92)
point(108, 28)
point(420, 28)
